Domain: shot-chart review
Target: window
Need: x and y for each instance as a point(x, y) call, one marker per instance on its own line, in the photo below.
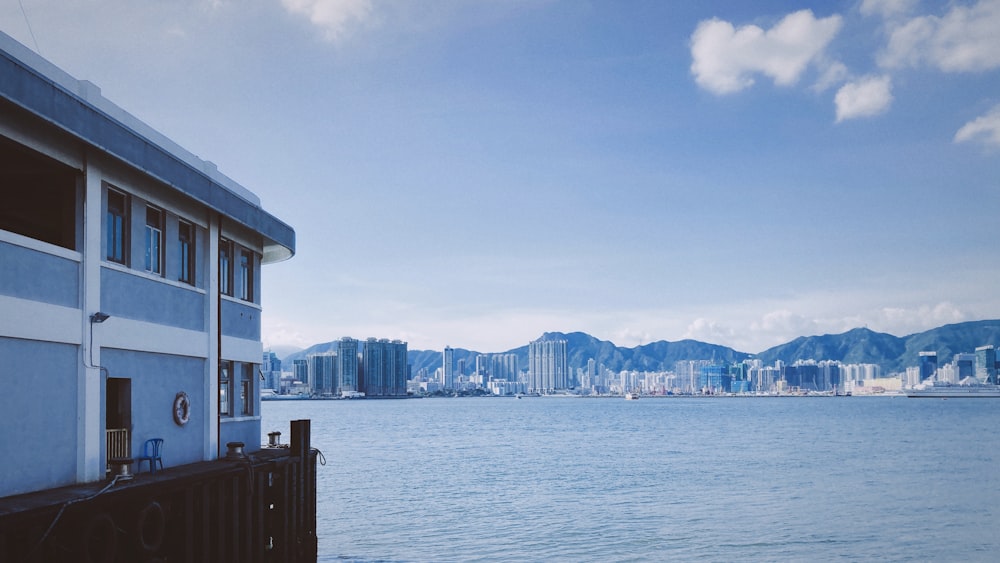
point(185, 242)
point(225, 368)
point(246, 275)
point(117, 227)
point(154, 240)
point(225, 267)
point(246, 390)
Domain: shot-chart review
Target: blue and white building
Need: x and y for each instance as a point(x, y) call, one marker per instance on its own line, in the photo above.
point(130, 284)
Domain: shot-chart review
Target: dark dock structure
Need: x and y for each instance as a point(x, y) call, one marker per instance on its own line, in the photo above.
point(258, 507)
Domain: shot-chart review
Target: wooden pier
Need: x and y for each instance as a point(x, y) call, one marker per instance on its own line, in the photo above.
point(259, 507)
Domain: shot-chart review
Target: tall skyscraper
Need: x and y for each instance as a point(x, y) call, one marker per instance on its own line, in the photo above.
point(385, 368)
point(322, 373)
point(965, 366)
point(548, 366)
point(271, 368)
point(300, 371)
point(347, 364)
point(928, 365)
point(448, 368)
point(986, 364)
point(497, 366)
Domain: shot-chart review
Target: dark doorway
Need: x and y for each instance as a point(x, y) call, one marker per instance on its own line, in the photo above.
point(118, 417)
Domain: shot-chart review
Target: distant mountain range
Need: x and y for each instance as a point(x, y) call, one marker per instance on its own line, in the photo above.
point(857, 346)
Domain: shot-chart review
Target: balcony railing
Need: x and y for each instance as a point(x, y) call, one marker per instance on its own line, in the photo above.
point(119, 445)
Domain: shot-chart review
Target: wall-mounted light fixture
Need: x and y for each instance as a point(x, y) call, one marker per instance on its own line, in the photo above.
point(96, 318)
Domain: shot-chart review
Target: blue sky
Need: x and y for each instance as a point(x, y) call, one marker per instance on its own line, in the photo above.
point(476, 173)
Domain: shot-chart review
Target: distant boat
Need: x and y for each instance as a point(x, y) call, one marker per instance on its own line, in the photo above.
point(631, 396)
point(940, 390)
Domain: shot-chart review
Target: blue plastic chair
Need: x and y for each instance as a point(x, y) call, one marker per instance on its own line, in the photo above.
point(151, 453)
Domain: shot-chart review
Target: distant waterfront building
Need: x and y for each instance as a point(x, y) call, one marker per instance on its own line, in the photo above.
point(965, 366)
point(497, 367)
point(986, 364)
point(714, 379)
point(130, 287)
point(385, 370)
point(928, 365)
point(300, 371)
point(548, 367)
point(347, 365)
point(270, 367)
point(322, 373)
point(448, 368)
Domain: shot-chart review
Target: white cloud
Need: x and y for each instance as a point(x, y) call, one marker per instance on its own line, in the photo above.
point(985, 128)
point(832, 74)
point(866, 97)
point(725, 58)
point(332, 16)
point(710, 331)
point(886, 8)
point(965, 39)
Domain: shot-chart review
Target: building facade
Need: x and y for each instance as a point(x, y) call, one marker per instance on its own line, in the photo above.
point(448, 368)
point(130, 286)
point(347, 365)
point(986, 364)
point(385, 368)
point(548, 366)
point(322, 373)
point(928, 365)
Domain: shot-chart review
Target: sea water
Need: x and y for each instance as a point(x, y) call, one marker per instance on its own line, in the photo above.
point(659, 479)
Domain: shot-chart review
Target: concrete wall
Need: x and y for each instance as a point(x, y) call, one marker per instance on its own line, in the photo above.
point(240, 320)
point(19, 276)
point(142, 298)
point(156, 380)
point(38, 403)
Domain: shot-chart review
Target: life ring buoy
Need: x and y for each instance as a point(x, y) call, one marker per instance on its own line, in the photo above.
point(150, 527)
point(182, 409)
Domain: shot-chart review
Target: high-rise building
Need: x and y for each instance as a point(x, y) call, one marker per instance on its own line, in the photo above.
point(495, 367)
point(385, 370)
point(928, 365)
point(548, 367)
point(347, 365)
point(271, 369)
point(300, 371)
point(965, 366)
point(986, 364)
point(322, 373)
point(448, 368)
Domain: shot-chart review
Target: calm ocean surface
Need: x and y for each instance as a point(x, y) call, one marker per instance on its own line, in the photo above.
point(714, 479)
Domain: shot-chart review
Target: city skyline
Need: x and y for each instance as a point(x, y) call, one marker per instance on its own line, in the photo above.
point(476, 174)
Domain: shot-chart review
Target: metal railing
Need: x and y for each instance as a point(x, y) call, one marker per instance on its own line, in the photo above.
point(118, 444)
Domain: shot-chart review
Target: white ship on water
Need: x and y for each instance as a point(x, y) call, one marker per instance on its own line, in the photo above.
point(941, 390)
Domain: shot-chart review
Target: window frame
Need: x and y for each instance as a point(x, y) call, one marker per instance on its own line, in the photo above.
point(246, 390)
point(187, 237)
point(225, 397)
point(246, 266)
point(226, 267)
point(154, 246)
point(117, 227)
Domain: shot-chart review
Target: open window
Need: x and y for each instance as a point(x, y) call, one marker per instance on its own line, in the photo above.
point(39, 196)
